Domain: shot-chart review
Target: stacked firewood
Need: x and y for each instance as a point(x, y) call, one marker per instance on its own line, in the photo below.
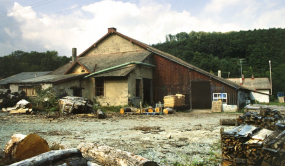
point(265, 119)
point(8, 99)
point(72, 104)
point(273, 150)
point(259, 139)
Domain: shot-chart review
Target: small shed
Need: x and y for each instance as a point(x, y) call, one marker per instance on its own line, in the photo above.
point(260, 87)
point(5, 83)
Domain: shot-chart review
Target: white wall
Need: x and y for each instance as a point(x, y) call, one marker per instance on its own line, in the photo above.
point(14, 87)
point(229, 108)
point(115, 93)
point(260, 97)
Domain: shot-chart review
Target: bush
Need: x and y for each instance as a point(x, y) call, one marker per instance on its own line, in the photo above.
point(46, 99)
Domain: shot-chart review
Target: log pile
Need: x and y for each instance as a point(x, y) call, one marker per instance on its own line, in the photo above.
point(258, 140)
point(266, 118)
point(273, 150)
point(71, 104)
point(8, 99)
point(172, 101)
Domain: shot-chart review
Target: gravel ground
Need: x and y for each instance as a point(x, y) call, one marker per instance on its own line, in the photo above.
point(167, 139)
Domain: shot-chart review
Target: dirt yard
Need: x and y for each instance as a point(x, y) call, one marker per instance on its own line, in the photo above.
point(167, 139)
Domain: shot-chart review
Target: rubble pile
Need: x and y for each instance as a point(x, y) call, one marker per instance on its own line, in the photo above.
point(8, 99)
point(259, 140)
point(72, 104)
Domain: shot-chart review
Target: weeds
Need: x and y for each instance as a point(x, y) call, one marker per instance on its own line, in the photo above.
point(109, 108)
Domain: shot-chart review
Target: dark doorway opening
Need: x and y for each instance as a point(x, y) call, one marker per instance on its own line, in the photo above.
point(146, 91)
point(77, 92)
point(201, 95)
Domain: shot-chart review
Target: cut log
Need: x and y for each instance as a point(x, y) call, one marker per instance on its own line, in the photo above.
point(110, 156)
point(71, 157)
point(168, 111)
point(157, 109)
point(21, 147)
point(20, 111)
point(86, 115)
point(127, 109)
point(228, 122)
point(148, 109)
point(100, 114)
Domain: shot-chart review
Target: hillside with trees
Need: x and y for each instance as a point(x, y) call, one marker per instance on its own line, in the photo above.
point(213, 51)
point(20, 61)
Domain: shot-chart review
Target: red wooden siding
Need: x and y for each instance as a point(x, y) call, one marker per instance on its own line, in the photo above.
point(170, 78)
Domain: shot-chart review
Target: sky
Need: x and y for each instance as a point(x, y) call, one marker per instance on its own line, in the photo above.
point(60, 25)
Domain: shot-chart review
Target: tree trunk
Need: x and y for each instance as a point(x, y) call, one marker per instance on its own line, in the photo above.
point(100, 114)
point(21, 147)
point(110, 156)
point(148, 109)
point(127, 109)
point(20, 111)
point(229, 122)
point(71, 157)
point(168, 111)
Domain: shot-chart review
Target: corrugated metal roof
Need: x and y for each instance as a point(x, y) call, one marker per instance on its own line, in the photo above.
point(256, 83)
point(123, 71)
point(100, 62)
point(49, 78)
point(23, 76)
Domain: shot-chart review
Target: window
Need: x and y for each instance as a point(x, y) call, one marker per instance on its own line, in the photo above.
point(99, 87)
point(30, 91)
point(220, 97)
point(77, 92)
point(138, 87)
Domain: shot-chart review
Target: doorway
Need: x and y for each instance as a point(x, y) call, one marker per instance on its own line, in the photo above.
point(147, 91)
point(201, 95)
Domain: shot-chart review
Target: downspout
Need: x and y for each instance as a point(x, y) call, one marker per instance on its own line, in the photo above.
point(118, 66)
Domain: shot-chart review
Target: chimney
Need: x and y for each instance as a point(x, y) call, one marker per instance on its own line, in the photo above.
point(252, 77)
point(111, 30)
point(240, 81)
point(242, 77)
point(219, 73)
point(74, 55)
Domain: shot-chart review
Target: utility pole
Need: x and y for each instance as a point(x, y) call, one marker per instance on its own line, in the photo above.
point(240, 61)
point(270, 76)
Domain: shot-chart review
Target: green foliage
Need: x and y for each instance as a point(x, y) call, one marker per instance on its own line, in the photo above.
point(222, 51)
point(46, 99)
point(20, 61)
